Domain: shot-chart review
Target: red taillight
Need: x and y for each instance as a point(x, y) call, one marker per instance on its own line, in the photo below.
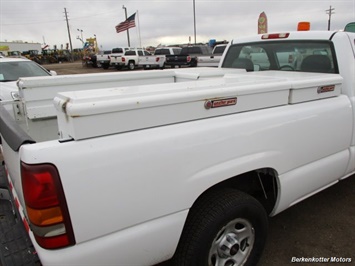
point(53, 242)
point(275, 36)
point(123, 59)
point(46, 206)
point(157, 59)
point(188, 59)
point(40, 189)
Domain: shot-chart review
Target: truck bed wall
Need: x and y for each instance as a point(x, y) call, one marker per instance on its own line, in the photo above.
point(139, 107)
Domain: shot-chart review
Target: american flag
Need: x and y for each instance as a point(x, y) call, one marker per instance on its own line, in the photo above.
point(128, 23)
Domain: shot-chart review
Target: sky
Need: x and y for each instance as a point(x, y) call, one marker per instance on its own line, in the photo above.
point(164, 22)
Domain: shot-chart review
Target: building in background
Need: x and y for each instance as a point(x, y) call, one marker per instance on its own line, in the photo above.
point(20, 46)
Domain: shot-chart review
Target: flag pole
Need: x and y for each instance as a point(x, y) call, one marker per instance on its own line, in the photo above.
point(125, 9)
point(194, 20)
point(139, 32)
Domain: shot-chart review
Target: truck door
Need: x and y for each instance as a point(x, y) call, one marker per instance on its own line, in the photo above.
point(345, 50)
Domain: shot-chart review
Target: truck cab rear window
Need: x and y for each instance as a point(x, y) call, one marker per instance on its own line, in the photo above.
point(312, 56)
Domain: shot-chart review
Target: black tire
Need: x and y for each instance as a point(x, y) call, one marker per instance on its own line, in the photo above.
point(131, 65)
point(105, 66)
point(193, 63)
point(224, 227)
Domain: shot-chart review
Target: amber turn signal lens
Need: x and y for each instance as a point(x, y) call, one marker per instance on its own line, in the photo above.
point(45, 217)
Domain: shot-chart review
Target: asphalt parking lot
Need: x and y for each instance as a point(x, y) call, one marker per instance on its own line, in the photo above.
point(320, 229)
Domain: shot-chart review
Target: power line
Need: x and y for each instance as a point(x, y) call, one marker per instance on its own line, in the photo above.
point(27, 23)
point(52, 21)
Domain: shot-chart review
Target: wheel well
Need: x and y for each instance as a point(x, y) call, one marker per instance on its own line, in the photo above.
point(261, 184)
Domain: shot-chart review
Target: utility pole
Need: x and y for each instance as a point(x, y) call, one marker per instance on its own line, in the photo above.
point(125, 10)
point(71, 46)
point(330, 12)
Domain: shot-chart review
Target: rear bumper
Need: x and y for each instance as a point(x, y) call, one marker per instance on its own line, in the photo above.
point(177, 64)
point(117, 64)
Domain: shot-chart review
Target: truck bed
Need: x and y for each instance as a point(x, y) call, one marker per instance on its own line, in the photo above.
point(78, 98)
point(36, 109)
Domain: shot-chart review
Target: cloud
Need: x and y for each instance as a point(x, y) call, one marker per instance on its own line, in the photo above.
point(160, 21)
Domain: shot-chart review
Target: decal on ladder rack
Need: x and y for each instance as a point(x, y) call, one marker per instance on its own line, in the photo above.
point(220, 103)
point(324, 89)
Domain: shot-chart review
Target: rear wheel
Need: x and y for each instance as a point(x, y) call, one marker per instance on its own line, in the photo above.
point(224, 228)
point(131, 65)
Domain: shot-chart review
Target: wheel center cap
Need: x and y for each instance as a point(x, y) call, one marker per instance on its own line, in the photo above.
point(234, 249)
point(229, 246)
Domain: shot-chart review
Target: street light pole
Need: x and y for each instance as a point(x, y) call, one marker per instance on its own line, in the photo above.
point(82, 39)
point(96, 45)
point(125, 9)
point(194, 20)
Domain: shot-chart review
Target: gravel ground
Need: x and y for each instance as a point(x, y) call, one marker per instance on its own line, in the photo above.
point(321, 227)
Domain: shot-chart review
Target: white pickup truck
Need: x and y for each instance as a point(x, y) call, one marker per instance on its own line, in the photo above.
point(158, 59)
point(104, 57)
point(140, 167)
point(129, 59)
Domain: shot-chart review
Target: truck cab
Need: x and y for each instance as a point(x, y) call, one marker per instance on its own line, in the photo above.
point(188, 56)
point(213, 59)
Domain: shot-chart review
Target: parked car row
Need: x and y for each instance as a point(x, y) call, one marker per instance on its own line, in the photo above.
point(190, 56)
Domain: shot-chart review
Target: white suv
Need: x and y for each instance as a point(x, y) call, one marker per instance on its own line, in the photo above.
point(11, 69)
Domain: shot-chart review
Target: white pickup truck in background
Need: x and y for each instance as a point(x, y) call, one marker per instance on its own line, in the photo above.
point(103, 58)
point(158, 59)
point(136, 168)
point(213, 59)
point(129, 59)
